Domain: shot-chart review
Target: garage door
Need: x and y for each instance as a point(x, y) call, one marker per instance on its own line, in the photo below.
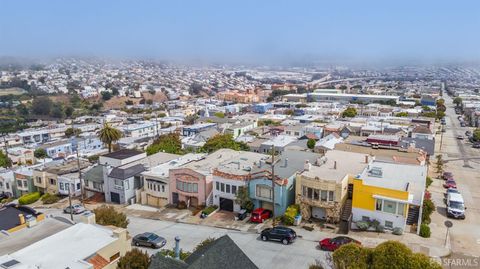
point(156, 201)
point(319, 213)
point(267, 205)
point(226, 204)
point(115, 197)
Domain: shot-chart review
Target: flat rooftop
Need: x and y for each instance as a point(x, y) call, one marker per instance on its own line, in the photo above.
point(347, 163)
point(122, 154)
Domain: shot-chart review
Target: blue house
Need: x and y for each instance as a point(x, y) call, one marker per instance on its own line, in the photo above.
point(287, 165)
point(194, 129)
point(262, 108)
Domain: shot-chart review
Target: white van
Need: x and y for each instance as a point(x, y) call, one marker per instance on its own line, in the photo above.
point(455, 206)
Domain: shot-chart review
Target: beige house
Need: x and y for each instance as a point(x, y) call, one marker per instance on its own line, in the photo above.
point(322, 189)
point(46, 177)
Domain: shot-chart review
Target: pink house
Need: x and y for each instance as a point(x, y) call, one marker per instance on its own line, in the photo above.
point(189, 186)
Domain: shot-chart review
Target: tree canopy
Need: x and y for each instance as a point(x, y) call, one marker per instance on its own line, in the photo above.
point(108, 135)
point(223, 141)
point(349, 112)
point(107, 215)
point(476, 135)
point(4, 160)
point(134, 259)
point(72, 132)
point(169, 143)
point(40, 153)
point(311, 143)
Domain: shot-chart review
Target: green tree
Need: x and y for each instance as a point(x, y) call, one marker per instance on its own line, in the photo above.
point(107, 215)
point(69, 111)
point(243, 198)
point(42, 105)
point(349, 112)
point(72, 132)
point(22, 110)
point(75, 100)
point(440, 102)
point(106, 95)
point(352, 256)
point(311, 143)
point(40, 153)
point(476, 135)
point(4, 160)
point(57, 111)
point(391, 254)
point(169, 143)
point(219, 115)
point(401, 114)
point(108, 135)
point(223, 141)
point(440, 114)
point(134, 259)
point(457, 101)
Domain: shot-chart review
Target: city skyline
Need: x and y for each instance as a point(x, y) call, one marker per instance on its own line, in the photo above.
point(269, 32)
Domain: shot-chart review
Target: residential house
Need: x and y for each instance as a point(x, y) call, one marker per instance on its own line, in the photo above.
point(23, 181)
point(239, 129)
point(7, 182)
point(156, 191)
point(93, 182)
point(81, 246)
point(232, 174)
point(192, 183)
point(56, 149)
point(29, 137)
point(197, 141)
point(21, 155)
point(383, 193)
point(194, 129)
point(296, 130)
point(287, 165)
point(321, 189)
point(328, 143)
point(278, 142)
point(422, 132)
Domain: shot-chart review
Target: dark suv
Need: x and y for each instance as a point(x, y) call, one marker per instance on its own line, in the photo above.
point(282, 234)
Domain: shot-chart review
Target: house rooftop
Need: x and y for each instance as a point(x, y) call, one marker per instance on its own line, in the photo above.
point(336, 164)
point(163, 169)
point(9, 215)
point(68, 248)
point(122, 154)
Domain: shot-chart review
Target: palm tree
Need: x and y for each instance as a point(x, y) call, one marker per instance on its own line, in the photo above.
point(108, 135)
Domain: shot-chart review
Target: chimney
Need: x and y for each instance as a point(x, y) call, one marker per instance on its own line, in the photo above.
point(177, 247)
point(21, 217)
point(307, 165)
point(88, 218)
point(286, 161)
point(120, 233)
point(335, 165)
point(366, 158)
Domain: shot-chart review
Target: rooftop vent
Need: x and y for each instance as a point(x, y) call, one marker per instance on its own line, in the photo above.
point(375, 172)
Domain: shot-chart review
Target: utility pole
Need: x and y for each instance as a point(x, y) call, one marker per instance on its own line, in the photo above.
point(78, 166)
point(70, 200)
point(273, 179)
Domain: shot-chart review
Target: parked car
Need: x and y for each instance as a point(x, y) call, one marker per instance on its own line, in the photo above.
point(331, 244)
point(476, 146)
point(259, 215)
point(462, 124)
point(75, 209)
point(468, 133)
point(455, 206)
point(450, 184)
point(279, 233)
point(451, 190)
point(242, 214)
point(149, 240)
point(447, 175)
point(460, 137)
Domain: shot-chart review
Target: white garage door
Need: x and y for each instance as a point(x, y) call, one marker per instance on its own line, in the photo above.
point(319, 213)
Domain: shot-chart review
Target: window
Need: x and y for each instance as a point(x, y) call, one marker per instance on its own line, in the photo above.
point(234, 189)
point(39, 180)
point(389, 206)
point(331, 196)
point(52, 181)
point(264, 191)
point(400, 209)
point(61, 185)
point(7, 185)
point(365, 218)
point(309, 193)
point(316, 194)
point(187, 187)
point(304, 191)
point(324, 195)
point(25, 184)
point(217, 184)
point(115, 256)
point(96, 185)
point(378, 205)
point(222, 187)
point(78, 186)
point(388, 224)
point(127, 185)
point(163, 188)
point(227, 188)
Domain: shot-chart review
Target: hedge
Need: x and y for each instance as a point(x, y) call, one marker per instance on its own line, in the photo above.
point(29, 198)
point(209, 210)
point(48, 198)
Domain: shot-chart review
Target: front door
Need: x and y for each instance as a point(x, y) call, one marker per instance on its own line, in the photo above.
point(174, 198)
point(115, 197)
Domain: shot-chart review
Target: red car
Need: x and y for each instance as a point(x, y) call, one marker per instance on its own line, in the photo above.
point(447, 175)
point(259, 215)
point(450, 184)
point(331, 244)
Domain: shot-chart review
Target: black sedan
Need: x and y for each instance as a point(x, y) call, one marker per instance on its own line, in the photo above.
point(149, 240)
point(282, 234)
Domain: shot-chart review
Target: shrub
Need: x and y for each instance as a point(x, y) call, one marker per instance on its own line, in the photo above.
point(429, 181)
point(428, 208)
point(351, 256)
point(7, 200)
point(48, 198)
point(425, 230)
point(397, 231)
point(182, 205)
point(362, 225)
point(391, 254)
point(380, 229)
point(374, 224)
point(209, 210)
point(204, 243)
point(171, 253)
point(107, 215)
point(134, 258)
point(29, 198)
point(288, 220)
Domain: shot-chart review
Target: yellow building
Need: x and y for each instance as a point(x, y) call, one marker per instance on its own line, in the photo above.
point(321, 189)
point(390, 193)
